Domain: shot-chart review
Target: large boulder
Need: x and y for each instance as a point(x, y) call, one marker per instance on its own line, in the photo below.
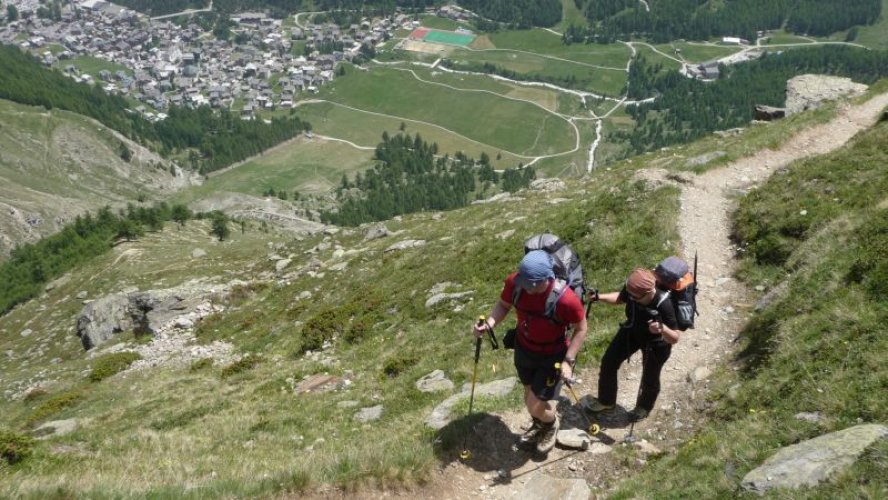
point(102, 319)
point(442, 414)
point(145, 312)
point(544, 487)
point(812, 461)
point(806, 92)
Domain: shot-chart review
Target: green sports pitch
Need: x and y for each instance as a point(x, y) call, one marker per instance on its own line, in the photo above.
point(444, 37)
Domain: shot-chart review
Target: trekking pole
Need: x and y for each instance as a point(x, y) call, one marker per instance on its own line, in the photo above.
point(594, 298)
point(465, 454)
point(593, 428)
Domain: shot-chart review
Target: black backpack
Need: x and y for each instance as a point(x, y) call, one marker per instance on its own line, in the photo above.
point(567, 268)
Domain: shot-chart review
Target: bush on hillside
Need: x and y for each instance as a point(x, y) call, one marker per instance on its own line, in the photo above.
point(244, 364)
point(14, 446)
point(109, 365)
point(54, 405)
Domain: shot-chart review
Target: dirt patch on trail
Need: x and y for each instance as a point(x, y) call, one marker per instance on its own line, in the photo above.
point(497, 471)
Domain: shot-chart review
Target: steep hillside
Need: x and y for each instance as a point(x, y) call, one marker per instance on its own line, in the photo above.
point(290, 366)
point(55, 164)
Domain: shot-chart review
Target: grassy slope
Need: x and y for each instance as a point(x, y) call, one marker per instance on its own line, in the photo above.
point(543, 42)
point(185, 433)
point(366, 129)
point(513, 126)
point(46, 158)
point(307, 166)
point(821, 226)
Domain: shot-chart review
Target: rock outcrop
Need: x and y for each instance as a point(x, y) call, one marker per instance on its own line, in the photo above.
point(815, 460)
point(145, 312)
point(805, 92)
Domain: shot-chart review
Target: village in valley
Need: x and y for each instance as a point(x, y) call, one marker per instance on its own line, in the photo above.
point(265, 66)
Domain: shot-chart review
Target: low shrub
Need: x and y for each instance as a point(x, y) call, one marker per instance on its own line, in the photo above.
point(398, 363)
point(54, 405)
point(109, 365)
point(246, 363)
point(201, 364)
point(14, 446)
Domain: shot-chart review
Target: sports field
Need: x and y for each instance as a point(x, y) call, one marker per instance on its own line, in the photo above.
point(442, 37)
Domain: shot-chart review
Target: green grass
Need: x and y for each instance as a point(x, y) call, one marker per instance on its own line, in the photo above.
point(537, 67)
point(875, 36)
point(366, 129)
point(781, 37)
point(182, 433)
point(543, 42)
point(442, 23)
point(825, 353)
point(512, 126)
point(305, 165)
point(698, 52)
point(572, 16)
point(92, 65)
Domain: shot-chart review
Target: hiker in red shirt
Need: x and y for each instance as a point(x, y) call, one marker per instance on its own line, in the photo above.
point(541, 340)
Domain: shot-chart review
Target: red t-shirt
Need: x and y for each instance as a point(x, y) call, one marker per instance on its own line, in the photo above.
point(536, 333)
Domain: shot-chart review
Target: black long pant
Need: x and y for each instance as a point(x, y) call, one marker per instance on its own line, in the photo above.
point(655, 352)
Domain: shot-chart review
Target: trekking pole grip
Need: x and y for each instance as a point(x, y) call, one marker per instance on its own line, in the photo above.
point(478, 341)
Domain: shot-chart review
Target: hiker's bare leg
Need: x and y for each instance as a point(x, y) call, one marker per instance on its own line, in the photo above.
point(536, 407)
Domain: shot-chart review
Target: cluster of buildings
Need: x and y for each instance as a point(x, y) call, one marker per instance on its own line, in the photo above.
point(264, 65)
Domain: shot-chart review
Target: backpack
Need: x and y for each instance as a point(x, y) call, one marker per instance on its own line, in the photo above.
point(674, 275)
point(567, 268)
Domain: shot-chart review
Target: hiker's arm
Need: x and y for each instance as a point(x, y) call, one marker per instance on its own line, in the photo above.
point(576, 343)
point(499, 312)
point(670, 336)
point(612, 298)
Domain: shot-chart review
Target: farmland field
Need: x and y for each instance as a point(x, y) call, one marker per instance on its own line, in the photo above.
point(513, 126)
point(304, 165)
point(365, 129)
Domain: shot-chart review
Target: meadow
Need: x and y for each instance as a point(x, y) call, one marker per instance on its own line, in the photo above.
point(512, 126)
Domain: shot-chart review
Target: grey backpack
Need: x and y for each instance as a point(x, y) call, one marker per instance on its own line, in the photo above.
point(567, 268)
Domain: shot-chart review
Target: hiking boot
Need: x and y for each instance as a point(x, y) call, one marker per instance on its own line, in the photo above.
point(548, 435)
point(528, 440)
point(593, 405)
point(638, 413)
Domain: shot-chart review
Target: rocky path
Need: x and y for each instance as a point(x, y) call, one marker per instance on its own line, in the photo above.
point(707, 200)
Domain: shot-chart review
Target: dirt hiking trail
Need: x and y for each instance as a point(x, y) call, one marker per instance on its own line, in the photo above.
point(497, 471)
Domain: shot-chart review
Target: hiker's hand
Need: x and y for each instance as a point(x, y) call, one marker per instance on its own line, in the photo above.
point(655, 327)
point(480, 328)
point(566, 372)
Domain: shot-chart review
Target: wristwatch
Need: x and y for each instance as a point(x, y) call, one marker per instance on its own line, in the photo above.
point(571, 361)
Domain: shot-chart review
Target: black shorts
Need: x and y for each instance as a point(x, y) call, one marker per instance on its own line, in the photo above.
point(538, 371)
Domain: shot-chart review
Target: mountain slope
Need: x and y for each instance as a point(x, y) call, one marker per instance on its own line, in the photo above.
point(56, 164)
point(351, 318)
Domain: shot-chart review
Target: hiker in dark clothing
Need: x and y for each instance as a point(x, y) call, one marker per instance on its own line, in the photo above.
point(540, 341)
point(650, 327)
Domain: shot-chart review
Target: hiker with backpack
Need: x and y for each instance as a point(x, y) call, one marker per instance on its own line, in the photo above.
point(651, 326)
point(547, 308)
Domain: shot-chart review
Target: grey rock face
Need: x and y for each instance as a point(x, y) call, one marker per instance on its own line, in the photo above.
point(434, 382)
point(55, 428)
point(145, 312)
point(806, 92)
point(544, 487)
point(102, 319)
point(441, 415)
point(547, 185)
point(438, 298)
point(404, 245)
point(370, 414)
point(815, 460)
point(376, 232)
point(574, 438)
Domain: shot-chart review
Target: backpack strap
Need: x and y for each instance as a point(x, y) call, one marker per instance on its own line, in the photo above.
point(555, 294)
